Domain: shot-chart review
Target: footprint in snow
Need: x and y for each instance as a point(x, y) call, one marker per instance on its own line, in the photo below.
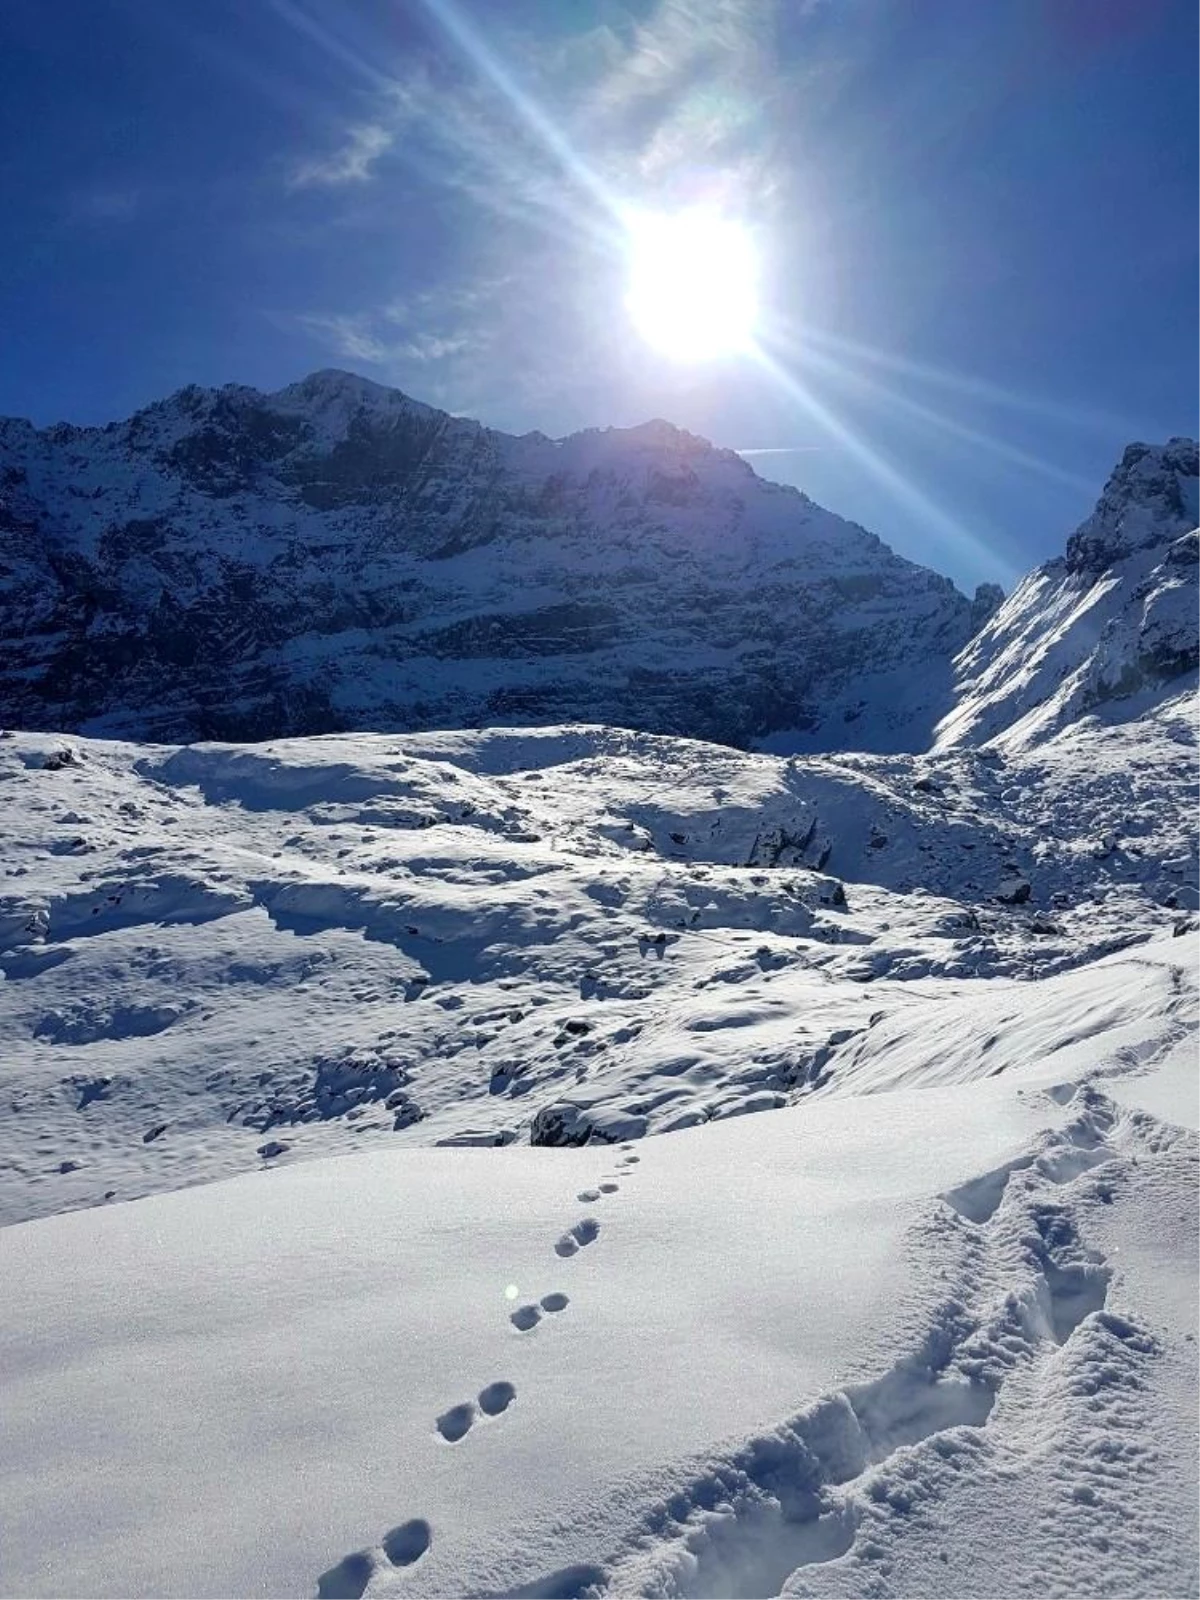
point(591, 1196)
point(526, 1317)
point(408, 1542)
point(349, 1579)
point(496, 1398)
point(456, 1423)
point(398, 1548)
point(575, 1238)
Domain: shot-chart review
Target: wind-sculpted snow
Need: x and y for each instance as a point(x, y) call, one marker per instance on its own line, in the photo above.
point(242, 565)
point(217, 956)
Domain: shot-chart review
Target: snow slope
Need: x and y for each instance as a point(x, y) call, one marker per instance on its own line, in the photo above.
point(1105, 626)
point(937, 1341)
point(234, 564)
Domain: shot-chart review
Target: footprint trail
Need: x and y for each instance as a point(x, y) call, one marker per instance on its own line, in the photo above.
point(583, 1233)
point(407, 1543)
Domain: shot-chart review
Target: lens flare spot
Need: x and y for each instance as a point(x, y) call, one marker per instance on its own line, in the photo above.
point(692, 291)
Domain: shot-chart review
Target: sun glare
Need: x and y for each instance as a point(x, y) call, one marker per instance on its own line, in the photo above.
point(692, 285)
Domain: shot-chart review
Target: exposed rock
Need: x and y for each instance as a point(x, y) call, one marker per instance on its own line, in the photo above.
point(568, 1123)
point(1014, 891)
point(231, 564)
point(1113, 618)
point(989, 597)
point(560, 1124)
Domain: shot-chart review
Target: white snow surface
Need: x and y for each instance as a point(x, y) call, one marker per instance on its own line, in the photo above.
point(1102, 627)
point(273, 1327)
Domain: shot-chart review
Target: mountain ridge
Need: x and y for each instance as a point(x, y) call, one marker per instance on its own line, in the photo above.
point(337, 556)
point(1112, 619)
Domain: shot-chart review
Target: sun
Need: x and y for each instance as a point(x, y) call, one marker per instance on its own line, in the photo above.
point(692, 284)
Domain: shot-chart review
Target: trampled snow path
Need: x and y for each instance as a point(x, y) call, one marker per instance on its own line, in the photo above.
point(840, 1486)
point(800, 1497)
point(975, 1305)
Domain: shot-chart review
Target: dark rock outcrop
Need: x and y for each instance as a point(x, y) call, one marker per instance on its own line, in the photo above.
point(231, 564)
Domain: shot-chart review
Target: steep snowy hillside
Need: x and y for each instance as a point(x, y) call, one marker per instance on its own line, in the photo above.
point(233, 564)
point(1112, 625)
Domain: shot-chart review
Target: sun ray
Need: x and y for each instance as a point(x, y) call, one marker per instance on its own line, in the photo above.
point(451, 20)
point(1080, 416)
point(939, 422)
point(952, 532)
point(297, 17)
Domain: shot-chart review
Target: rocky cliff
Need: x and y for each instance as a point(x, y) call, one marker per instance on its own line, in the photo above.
point(234, 564)
point(1108, 625)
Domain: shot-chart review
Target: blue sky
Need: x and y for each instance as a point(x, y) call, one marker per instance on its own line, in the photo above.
point(977, 224)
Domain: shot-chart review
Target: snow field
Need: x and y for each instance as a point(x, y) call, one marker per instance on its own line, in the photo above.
point(480, 938)
point(312, 1379)
point(448, 1322)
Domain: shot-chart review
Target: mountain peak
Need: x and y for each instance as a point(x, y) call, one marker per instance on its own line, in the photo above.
point(1116, 619)
point(339, 555)
point(334, 384)
point(1149, 499)
point(657, 433)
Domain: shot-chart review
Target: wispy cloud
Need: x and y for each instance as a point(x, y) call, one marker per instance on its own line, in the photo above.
point(346, 334)
point(427, 330)
point(648, 110)
point(105, 204)
point(526, 152)
point(432, 347)
point(352, 162)
point(689, 90)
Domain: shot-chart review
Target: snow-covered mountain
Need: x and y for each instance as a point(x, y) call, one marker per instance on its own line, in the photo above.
point(1105, 627)
point(376, 1028)
point(338, 556)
